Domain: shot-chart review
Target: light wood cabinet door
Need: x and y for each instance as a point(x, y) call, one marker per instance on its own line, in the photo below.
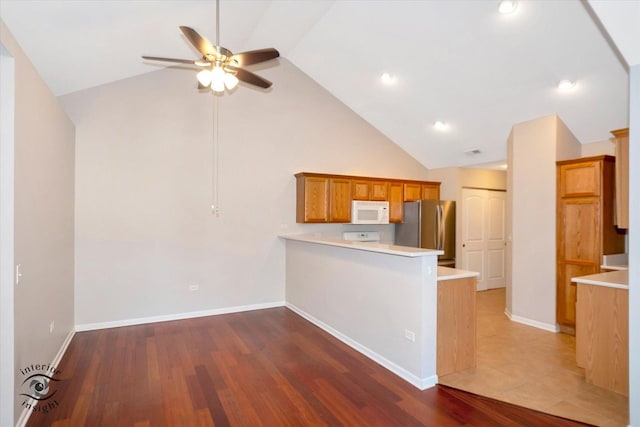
point(622, 177)
point(456, 345)
point(379, 191)
point(580, 179)
point(430, 192)
point(340, 200)
point(412, 191)
point(361, 189)
point(566, 291)
point(396, 199)
point(580, 230)
point(312, 199)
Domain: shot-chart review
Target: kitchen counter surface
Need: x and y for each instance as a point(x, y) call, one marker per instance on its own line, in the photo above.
point(614, 267)
point(613, 279)
point(448, 273)
point(364, 246)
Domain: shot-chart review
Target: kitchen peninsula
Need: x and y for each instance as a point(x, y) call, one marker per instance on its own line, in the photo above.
point(380, 299)
point(602, 334)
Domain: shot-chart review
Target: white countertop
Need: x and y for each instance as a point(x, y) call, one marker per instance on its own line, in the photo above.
point(448, 273)
point(614, 267)
point(613, 279)
point(364, 246)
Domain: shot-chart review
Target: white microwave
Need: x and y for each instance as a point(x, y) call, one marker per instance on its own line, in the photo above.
point(366, 212)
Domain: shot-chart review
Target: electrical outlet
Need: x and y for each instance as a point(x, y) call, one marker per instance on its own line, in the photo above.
point(193, 288)
point(410, 335)
point(52, 325)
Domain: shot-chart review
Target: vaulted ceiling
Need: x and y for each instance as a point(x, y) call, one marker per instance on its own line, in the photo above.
point(456, 61)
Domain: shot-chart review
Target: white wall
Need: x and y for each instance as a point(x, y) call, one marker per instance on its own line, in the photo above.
point(598, 148)
point(534, 148)
point(634, 246)
point(43, 228)
point(144, 183)
point(392, 294)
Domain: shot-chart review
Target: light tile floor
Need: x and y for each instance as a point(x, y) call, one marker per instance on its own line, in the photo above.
point(533, 368)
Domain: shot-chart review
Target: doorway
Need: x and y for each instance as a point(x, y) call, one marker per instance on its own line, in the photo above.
point(484, 236)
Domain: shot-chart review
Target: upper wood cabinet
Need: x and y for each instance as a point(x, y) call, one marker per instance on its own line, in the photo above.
point(312, 199)
point(361, 189)
point(416, 191)
point(431, 191)
point(621, 139)
point(327, 198)
point(580, 179)
point(396, 199)
point(379, 190)
point(339, 200)
point(364, 189)
point(584, 229)
point(412, 191)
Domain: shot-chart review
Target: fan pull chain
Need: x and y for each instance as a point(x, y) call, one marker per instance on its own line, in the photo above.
point(215, 208)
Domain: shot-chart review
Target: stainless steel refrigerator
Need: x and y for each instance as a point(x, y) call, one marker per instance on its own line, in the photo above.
point(429, 224)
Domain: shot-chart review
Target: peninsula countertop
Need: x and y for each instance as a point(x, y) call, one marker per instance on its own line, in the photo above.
point(383, 248)
point(613, 279)
point(448, 273)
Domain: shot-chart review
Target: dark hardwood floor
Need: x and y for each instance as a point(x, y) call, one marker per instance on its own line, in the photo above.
point(265, 367)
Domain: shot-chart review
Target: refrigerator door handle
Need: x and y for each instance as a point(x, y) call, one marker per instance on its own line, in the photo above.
point(441, 227)
point(436, 227)
point(440, 231)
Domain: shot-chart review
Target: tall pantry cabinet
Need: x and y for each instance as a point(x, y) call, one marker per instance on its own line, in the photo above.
point(585, 228)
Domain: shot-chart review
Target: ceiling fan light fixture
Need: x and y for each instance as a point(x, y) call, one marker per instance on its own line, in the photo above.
point(217, 86)
point(230, 81)
point(204, 77)
point(217, 79)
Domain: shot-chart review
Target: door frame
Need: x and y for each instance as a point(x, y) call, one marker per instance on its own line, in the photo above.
point(7, 178)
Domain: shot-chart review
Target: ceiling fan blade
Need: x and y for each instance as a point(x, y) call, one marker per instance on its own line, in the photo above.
point(203, 45)
point(249, 77)
point(254, 56)
point(181, 61)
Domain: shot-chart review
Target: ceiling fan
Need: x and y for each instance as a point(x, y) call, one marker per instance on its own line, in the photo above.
point(222, 68)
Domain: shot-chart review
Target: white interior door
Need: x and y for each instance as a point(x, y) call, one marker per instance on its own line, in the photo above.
point(483, 236)
point(496, 239)
point(474, 233)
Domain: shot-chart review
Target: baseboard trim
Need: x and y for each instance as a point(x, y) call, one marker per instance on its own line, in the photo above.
point(26, 412)
point(177, 316)
point(421, 383)
point(530, 322)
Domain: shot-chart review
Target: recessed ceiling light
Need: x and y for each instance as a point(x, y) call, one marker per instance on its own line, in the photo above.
point(566, 85)
point(387, 78)
point(441, 126)
point(507, 6)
